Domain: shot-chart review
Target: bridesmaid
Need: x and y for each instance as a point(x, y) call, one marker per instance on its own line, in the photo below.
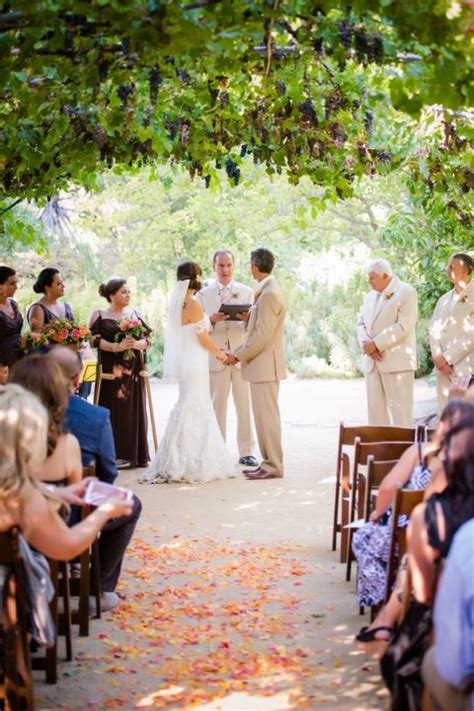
point(124, 394)
point(11, 320)
point(48, 308)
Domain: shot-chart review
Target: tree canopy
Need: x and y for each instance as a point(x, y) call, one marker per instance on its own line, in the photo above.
point(307, 88)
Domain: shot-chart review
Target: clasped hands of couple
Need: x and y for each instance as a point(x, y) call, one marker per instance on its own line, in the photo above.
point(227, 357)
point(370, 349)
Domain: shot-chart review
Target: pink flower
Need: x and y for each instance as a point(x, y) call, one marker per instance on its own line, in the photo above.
point(64, 333)
point(75, 333)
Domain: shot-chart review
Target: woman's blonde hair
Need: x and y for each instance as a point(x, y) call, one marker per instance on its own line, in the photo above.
point(23, 439)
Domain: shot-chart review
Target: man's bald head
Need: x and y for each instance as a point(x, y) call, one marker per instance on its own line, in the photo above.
point(69, 362)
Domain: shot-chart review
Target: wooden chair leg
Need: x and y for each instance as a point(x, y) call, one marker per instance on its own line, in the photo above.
point(49, 662)
point(96, 576)
point(65, 621)
point(345, 502)
point(16, 689)
point(337, 490)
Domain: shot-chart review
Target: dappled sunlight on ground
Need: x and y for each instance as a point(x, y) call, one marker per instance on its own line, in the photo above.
point(221, 624)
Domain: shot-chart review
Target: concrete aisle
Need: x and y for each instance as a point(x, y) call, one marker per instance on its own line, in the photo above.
point(232, 597)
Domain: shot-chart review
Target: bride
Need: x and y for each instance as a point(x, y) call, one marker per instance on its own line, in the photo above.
point(192, 448)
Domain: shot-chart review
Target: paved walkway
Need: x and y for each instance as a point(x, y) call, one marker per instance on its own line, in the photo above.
point(232, 597)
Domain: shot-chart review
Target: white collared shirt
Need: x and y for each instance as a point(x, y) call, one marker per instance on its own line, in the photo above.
point(261, 284)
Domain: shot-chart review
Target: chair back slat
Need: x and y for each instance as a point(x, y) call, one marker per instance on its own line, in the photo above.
point(373, 433)
point(381, 451)
point(405, 501)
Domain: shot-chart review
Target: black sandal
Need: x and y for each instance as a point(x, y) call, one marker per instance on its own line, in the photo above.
point(366, 635)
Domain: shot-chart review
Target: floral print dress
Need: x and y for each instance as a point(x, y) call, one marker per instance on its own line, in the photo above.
point(371, 544)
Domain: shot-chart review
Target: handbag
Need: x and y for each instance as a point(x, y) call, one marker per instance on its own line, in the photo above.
point(39, 593)
point(401, 663)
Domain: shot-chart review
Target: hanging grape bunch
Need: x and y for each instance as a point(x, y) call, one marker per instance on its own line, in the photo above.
point(155, 79)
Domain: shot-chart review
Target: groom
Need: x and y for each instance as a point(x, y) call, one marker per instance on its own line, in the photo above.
point(263, 363)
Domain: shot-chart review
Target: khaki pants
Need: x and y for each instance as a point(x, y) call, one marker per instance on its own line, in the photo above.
point(443, 696)
point(390, 397)
point(266, 414)
point(221, 382)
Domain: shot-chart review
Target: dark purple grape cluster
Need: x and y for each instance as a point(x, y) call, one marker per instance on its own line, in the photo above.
point(361, 44)
point(307, 109)
point(369, 122)
point(232, 170)
point(224, 99)
point(243, 150)
point(124, 91)
point(318, 45)
point(345, 33)
point(384, 156)
point(207, 180)
point(183, 76)
point(172, 126)
point(155, 80)
point(280, 87)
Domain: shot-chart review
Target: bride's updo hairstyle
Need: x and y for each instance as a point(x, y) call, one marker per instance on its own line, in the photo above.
point(191, 271)
point(109, 288)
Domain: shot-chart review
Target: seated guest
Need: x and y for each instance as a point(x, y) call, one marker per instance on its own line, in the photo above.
point(433, 524)
point(448, 667)
point(91, 425)
point(372, 541)
point(24, 500)
point(44, 378)
point(431, 530)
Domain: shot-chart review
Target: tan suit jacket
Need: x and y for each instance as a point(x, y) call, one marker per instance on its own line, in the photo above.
point(452, 330)
point(228, 335)
point(262, 354)
point(390, 322)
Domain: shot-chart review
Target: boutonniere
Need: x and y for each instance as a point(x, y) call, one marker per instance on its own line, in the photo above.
point(389, 295)
point(464, 299)
point(257, 294)
point(235, 294)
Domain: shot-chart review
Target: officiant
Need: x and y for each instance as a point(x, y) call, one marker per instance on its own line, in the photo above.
point(229, 334)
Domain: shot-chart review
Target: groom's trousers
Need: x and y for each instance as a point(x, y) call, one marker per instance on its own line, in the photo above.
point(221, 382)
point(266, 414)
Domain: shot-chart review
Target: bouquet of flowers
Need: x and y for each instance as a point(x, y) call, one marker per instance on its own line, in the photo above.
point(64, 332)
point(129, 327)
point(31, 341)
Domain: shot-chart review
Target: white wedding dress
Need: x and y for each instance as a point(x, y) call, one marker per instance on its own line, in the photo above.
point(192, 448)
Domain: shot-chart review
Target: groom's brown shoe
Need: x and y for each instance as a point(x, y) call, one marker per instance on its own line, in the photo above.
point(260, 473)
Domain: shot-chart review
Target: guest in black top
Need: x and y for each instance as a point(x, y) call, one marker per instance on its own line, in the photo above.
point(48, 308)
point(11, 320)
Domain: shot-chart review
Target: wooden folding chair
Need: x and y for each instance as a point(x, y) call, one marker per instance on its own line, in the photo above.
point(405, 502)
point(83, 586)
point(376, 473)
point(381, 451)
point(16, 687)
point(347, 435)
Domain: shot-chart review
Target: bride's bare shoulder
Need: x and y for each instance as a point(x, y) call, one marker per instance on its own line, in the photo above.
point(192, 312)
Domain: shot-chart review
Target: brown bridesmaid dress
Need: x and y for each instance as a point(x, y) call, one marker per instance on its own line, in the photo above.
point(125, 395)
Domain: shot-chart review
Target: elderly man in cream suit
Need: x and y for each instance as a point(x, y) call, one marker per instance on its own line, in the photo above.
point(263, 363)
point(228, 335)
point(386, 333)
point(452, 329)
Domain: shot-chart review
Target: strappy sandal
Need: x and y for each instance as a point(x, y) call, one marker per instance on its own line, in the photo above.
point(367, 635)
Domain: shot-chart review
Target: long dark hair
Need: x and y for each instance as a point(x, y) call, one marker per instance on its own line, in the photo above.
point(42, 376)
point(6, 273)
point(460, 475)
